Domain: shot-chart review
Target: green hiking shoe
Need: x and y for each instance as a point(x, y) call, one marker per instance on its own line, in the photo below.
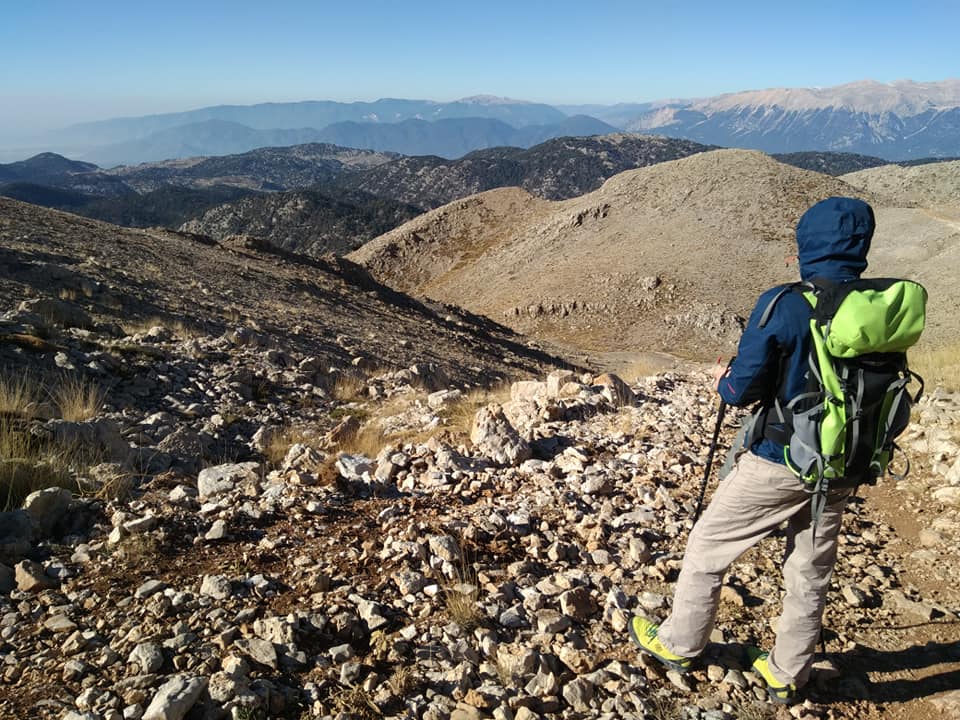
point(644, 634)
point(778, 692)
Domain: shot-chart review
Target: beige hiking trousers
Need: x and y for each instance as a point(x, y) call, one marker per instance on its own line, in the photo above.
point(749, 504)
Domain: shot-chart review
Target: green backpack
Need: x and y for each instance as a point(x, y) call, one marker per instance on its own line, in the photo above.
point(841, 431)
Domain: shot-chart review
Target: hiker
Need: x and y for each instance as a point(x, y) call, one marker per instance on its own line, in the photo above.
point(761, 492)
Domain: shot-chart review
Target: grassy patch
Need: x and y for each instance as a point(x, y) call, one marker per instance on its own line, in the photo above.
point(367, 441)
point(78, 399)
point(458, 416)
point(179, 328)
point(938, 367)
point(348, 387)
point(27, 464)
point(18, 395)
point(642, 367)
point(285, 438)
point(343, 412)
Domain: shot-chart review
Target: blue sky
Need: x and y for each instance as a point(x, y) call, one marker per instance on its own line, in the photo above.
point(64, 61)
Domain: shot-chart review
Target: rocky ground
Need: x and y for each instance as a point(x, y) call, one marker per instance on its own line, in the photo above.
point(456, 577)
point(935, 185)
point(95, 285)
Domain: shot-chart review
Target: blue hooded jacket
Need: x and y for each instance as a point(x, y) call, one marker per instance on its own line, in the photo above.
point(833, 238)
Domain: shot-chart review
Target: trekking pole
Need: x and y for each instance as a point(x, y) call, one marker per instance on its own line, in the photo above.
point(713, 448)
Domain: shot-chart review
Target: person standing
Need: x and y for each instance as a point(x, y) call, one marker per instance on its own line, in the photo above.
point(761, 492)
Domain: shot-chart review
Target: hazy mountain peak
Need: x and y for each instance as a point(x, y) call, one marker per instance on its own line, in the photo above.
point(904, 97)
point(491, 100)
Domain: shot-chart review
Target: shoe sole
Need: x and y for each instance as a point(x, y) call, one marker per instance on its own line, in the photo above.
point(682, 669)
point(780, 700)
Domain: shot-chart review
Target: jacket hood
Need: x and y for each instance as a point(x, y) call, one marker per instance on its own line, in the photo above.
point(833, 238)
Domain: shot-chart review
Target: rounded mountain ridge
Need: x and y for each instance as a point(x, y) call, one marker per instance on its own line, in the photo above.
point(670, 256)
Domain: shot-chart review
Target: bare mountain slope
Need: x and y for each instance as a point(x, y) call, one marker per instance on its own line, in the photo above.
point(930, 185)
point(309, 222)
point(327, 309)
point(667, 257)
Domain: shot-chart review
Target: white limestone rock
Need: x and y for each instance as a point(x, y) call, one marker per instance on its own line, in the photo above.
point(175, 698)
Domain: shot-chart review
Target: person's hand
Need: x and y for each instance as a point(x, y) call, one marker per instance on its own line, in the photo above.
point(719, 370)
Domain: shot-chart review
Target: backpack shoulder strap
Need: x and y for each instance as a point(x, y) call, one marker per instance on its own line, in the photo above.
point(802, 286)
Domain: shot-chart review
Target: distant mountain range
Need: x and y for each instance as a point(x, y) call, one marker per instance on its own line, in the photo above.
point(895, 121)
point(903, 120)
point(449, 138)
point(315, 114)
point(319, 198)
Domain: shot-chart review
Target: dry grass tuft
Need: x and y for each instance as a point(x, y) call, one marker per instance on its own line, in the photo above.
point(27, 465)
point(18, 395)
point(622, 423)
point(938, 367)
point(459, 415)
point(368, 441)
point(119, 349)
point(348, 387)
point(666, 707)
point(355, 702)
point(645, 366)
point(462, 607)
point(403, 680)
point(756, 711)
point(78, 399)
point(461, 595)
point(285, 438)
point(179, 328)
point(115, 486)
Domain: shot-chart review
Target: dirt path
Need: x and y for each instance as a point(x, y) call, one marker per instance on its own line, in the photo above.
point(899, 666)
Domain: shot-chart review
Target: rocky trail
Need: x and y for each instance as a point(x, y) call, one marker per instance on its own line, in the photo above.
point(489, 576)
